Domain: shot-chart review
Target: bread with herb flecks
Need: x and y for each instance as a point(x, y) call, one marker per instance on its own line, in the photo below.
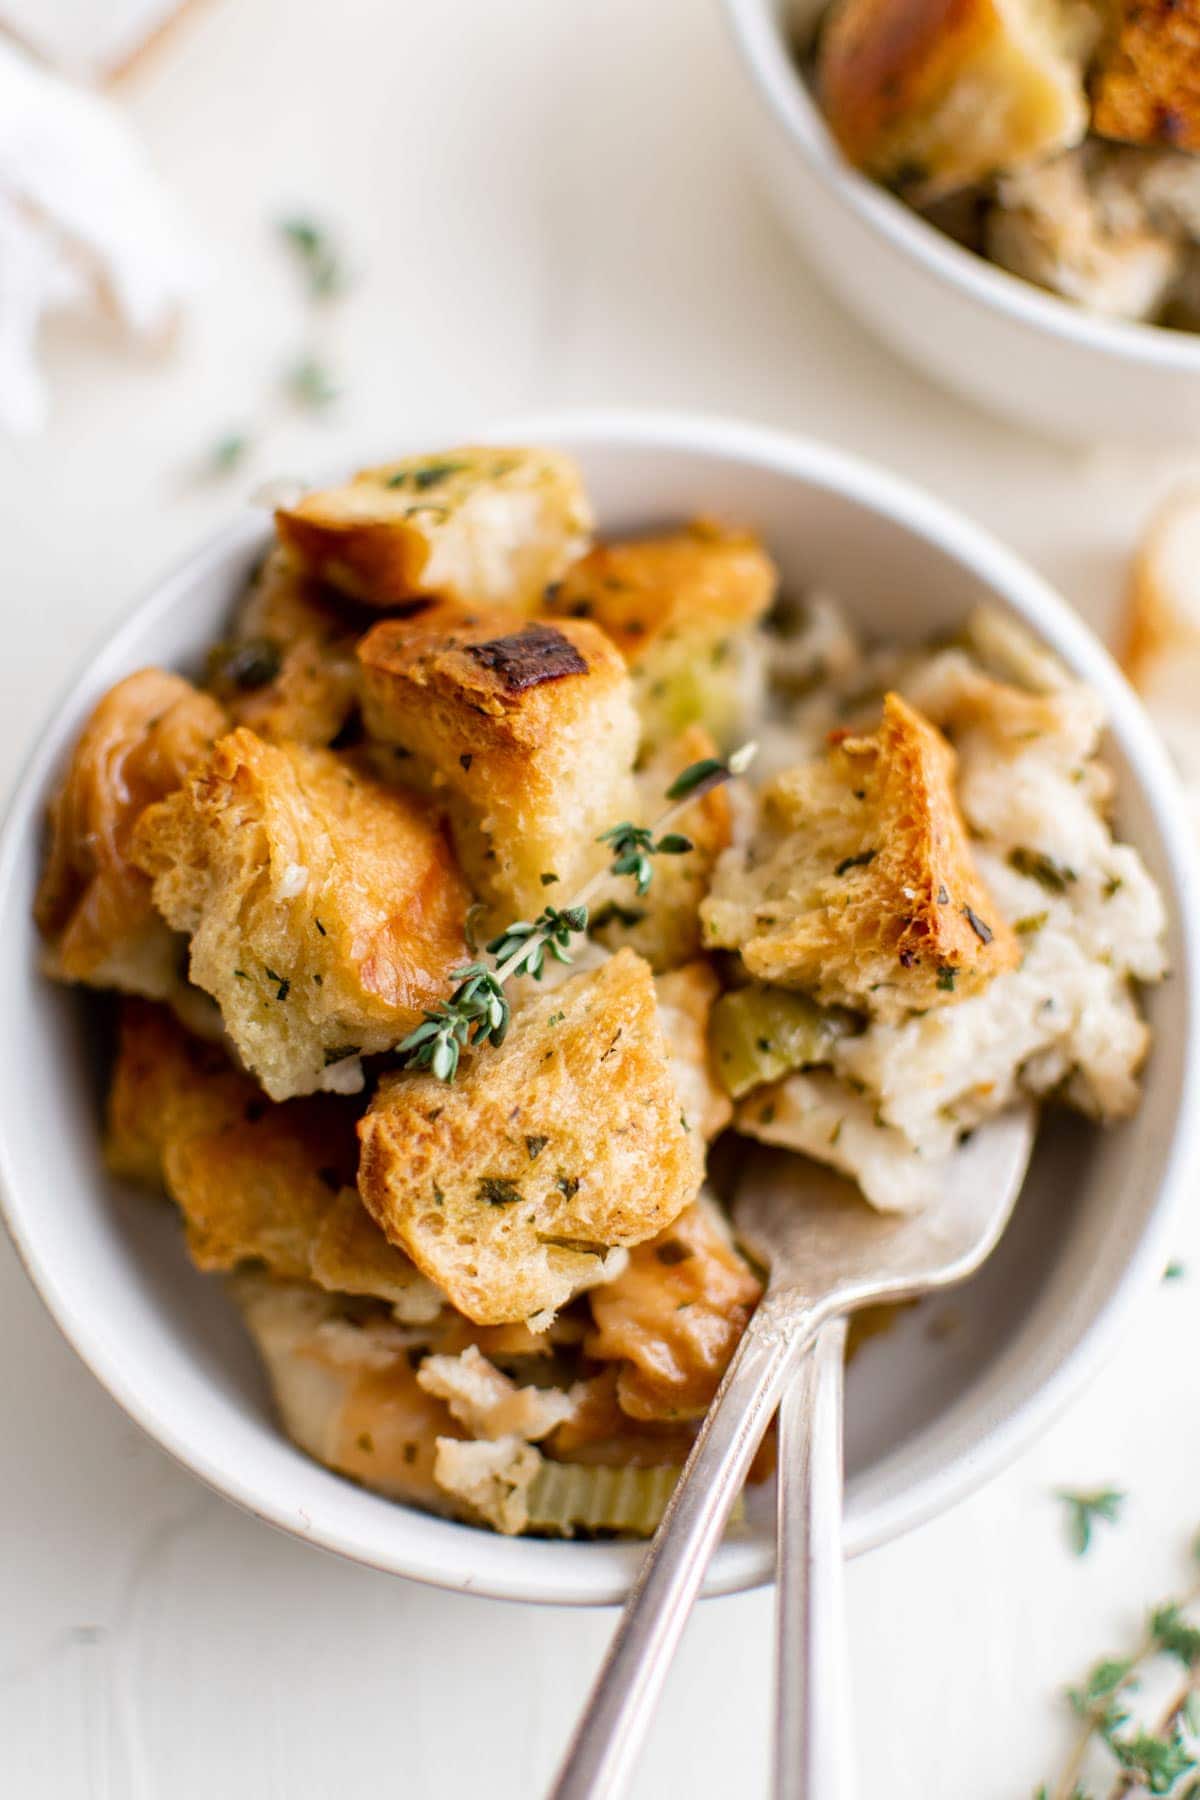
point(325, 911)
point(288, 668)
point(680, 608)
point(526, 729)
point(860, 887)
point(509, 1188)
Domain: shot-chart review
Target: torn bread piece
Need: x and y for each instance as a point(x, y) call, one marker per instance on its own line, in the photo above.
point(345, 1388)
point(1145, 81)
point(325, 911)
point(1160, 647)
point(93, 903)
point(861, 888)
point(932, 95)
point(527, 730)
point(255, 1182)
point(481, 526)
point(288, 668)
point(663, 924)
point(674, 1318)
point(510, 1188)
point(681, 609)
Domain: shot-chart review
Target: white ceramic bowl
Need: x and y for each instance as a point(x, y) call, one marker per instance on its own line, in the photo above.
point(999, 340)
point(927, 1419)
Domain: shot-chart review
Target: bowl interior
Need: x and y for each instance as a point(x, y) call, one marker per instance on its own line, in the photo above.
point(933, 1406)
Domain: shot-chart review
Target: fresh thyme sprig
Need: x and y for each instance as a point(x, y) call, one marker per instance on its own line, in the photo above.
point(1160, 1756)
point(478, 1011)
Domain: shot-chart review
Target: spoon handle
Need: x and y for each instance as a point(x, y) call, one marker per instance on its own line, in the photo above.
point(813, 1742)
point(622, 1701)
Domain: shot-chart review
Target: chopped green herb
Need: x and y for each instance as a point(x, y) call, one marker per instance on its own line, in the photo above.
point(1085, 1511)
point(1174, 1271)
point(228, 452)
point(567, 1185)
point(1055, 877)
point(548, 879)
point(982, 931)
point(496, 1191)
point(947, 978)
point(535, 1146)
point(1030, 923)
point(316, 254)
point(310, 384)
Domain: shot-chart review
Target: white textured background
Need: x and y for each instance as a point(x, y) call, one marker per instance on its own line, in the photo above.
point(550, 207)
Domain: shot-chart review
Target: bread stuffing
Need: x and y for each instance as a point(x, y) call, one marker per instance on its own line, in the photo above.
point(464, 948)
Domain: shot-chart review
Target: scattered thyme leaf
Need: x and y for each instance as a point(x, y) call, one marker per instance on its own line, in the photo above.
point(947, 977)
point(309, 383)
point(228, 452)
point(1085, 1511)
point(1174, 1271)
point(316, 254)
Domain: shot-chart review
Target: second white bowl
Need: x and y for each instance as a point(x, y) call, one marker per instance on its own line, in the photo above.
point(1001, 341)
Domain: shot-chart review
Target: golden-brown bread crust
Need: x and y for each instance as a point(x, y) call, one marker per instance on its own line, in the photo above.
point(1145, 83)
point(289, 669)
point(678, 608)
point(862, 889)
point(506, 1188)
point(663, 925)
point(527, 727)
point(480, 525)
point(937, 94)
point(674, 1317)
point(325, 910)
point(255, 1182)
point(93, 904)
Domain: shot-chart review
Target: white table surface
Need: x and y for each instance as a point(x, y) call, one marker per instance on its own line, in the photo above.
point(551, 207)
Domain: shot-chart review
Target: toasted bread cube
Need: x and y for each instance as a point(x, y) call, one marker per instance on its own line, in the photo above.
point(674, 1318)
point(527, 729)
point(325, 910)
point(346, 1389)
point(93, 903)
point(1076, 226)
point(482, 525)
point(663, 924)
point(861, 888)
point(679, 609)
point(933, 99)
point(289, 669)
point(1145, 82)
point(255, 1182)
point(685, 1001)
point(509, 1188)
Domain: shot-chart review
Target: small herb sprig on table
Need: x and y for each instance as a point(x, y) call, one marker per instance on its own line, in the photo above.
point(1160, 1756)
point(478, 1011)
point(308, 383)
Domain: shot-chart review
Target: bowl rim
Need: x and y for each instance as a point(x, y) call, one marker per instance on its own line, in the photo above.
point(508, 1571)
point(758, 34)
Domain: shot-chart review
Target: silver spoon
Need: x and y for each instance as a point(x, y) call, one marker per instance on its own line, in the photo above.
point(827, 1254)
